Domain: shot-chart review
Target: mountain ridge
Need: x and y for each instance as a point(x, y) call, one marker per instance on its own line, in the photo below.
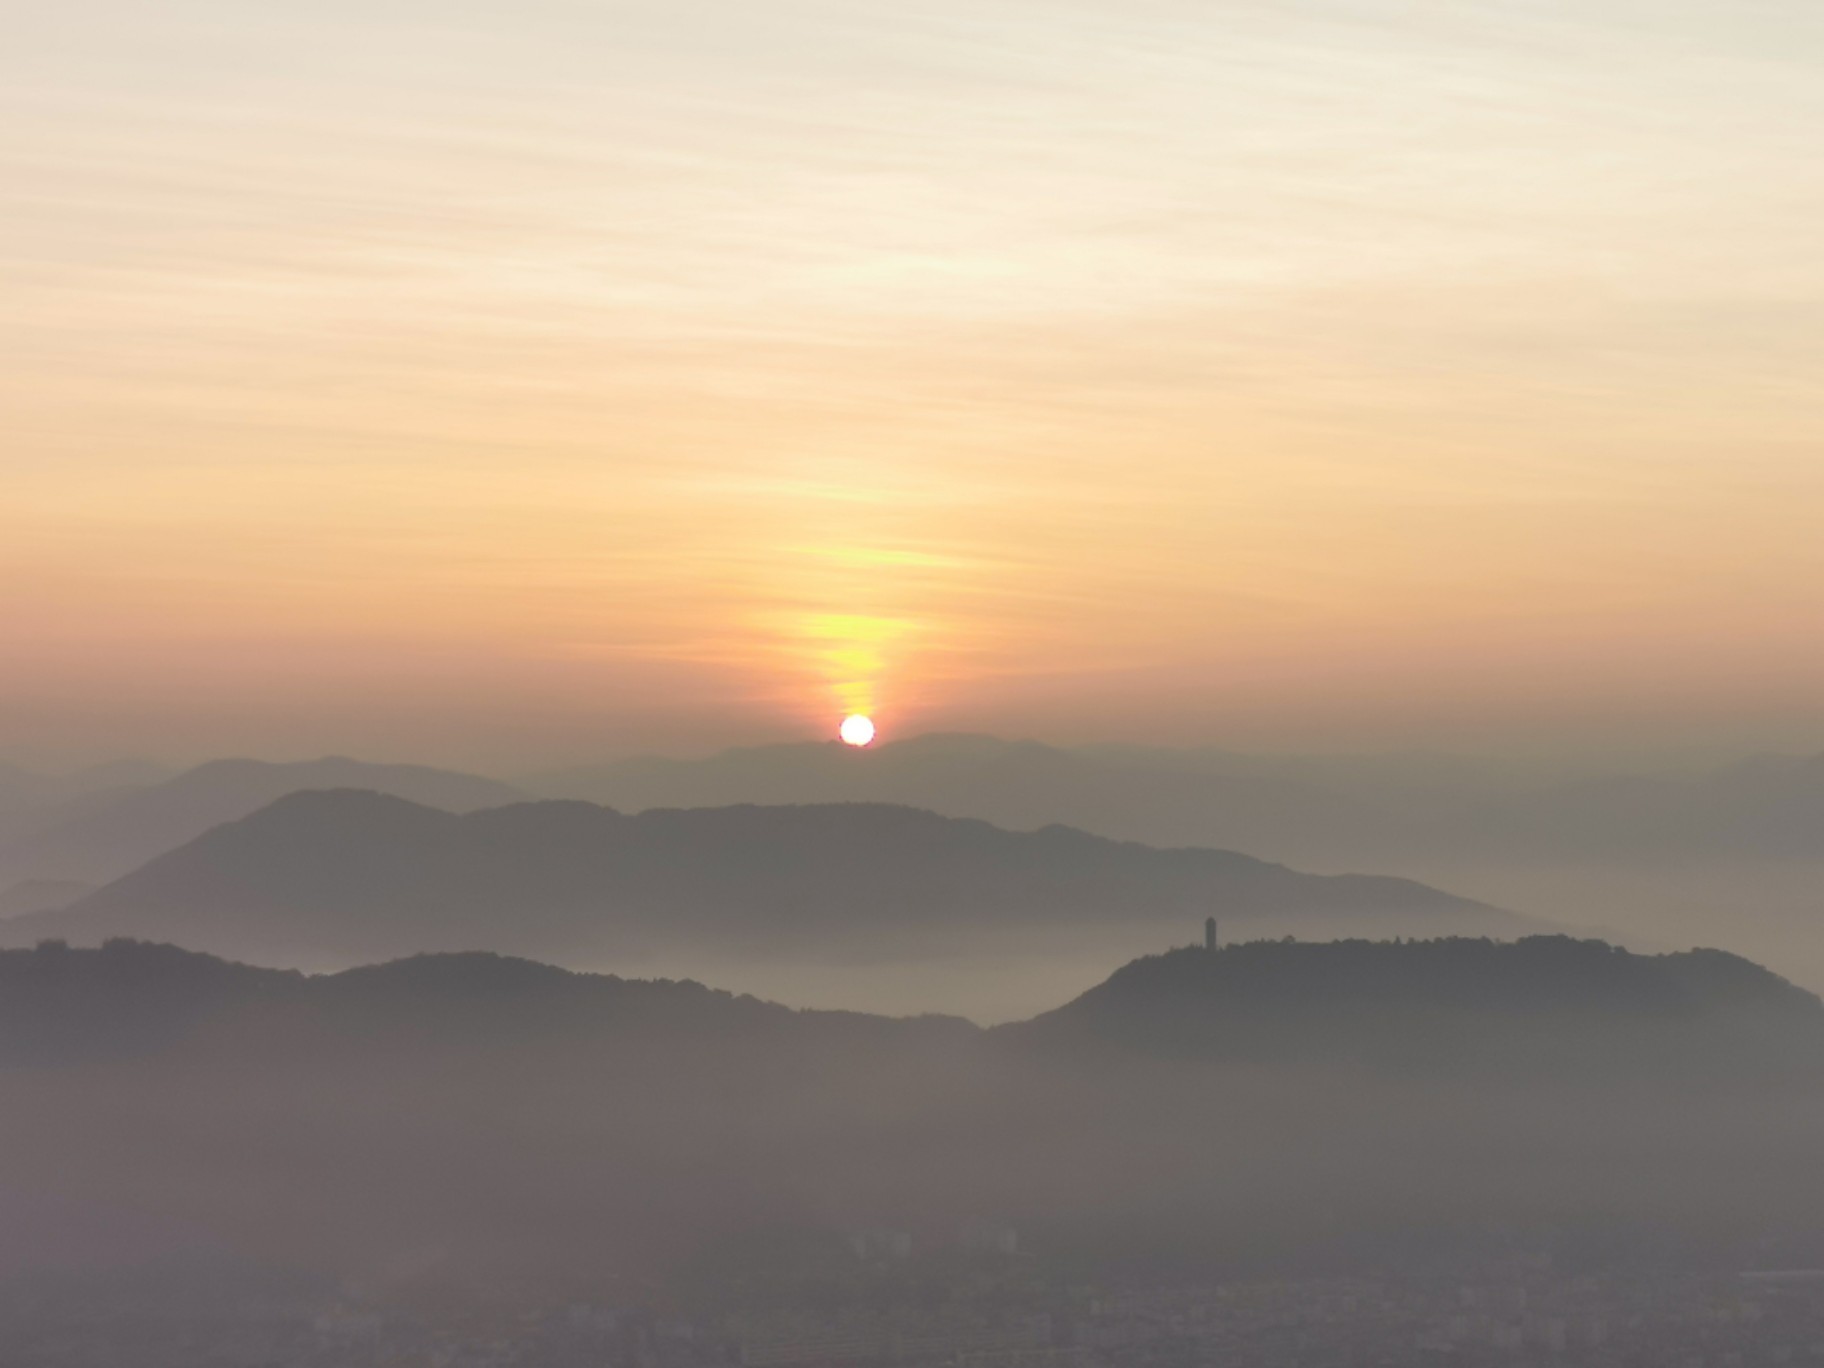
point(1515, 984)
point(1545, 1001)
point(347, 875)
point(1304, 809)
point(102, 834)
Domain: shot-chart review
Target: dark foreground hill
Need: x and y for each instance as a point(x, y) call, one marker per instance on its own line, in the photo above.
point(342, 877)
point(1577, 1006)
point(498, 1117)
point(133, 1000)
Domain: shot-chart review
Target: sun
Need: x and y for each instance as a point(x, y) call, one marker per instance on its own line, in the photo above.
point(856, 729)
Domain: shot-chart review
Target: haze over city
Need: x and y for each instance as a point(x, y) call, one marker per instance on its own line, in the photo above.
point(1018, 684)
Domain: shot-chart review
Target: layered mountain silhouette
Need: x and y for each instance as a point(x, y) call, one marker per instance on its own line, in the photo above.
point(1018, 784)
point(23, 789)
point(1728, 856)
point(345, 876)
point(108, 830)
point(1319, 812)
point(1315, 811)
point(523, 1119)
point(1732, 855)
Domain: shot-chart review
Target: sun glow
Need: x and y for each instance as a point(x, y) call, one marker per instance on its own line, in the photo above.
point(856, 729)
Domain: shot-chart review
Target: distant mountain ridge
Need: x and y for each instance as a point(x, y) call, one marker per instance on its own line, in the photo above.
point(22, 789)
point(1314, 811)
point(345, 876)
point(1394, 812)
point(1021, 785)
point(106, 832)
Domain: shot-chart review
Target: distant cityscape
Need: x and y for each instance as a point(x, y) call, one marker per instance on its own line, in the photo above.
point(1522, 1314)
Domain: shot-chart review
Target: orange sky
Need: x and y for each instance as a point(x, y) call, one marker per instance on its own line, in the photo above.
point(499, 384)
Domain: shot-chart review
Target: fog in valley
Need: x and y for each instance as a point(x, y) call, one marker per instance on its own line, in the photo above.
point(1722, 855)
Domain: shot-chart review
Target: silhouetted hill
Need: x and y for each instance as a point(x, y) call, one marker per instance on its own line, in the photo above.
point(104, 834)
point(59, 1005)
point(511, 1111)
point(1544, 1000)
point(525, 1120)
point(1409, 1004)
point(137, 998)
point(339, 877)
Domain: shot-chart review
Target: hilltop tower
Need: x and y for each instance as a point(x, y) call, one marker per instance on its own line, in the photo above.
point(1209, 933)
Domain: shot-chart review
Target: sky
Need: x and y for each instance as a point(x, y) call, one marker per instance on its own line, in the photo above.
point(509, 384)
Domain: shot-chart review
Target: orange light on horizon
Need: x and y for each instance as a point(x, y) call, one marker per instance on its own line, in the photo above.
point(857, 730)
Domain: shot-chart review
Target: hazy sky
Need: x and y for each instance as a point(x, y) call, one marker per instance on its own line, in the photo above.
point(475, 381)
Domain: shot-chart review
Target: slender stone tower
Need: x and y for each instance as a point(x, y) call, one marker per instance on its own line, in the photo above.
point(1209, 933)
